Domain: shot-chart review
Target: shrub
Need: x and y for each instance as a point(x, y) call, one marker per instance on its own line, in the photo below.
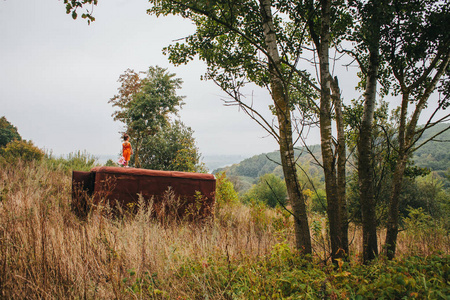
point(225, 193)
point(270, 189)
point(424, 233)
point(21, 150)
point(111, 163)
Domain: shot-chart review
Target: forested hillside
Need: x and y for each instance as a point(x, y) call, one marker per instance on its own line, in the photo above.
point(434, 155)
point(247, 172)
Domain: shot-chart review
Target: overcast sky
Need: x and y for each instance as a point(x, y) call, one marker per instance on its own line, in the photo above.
point(57, 75)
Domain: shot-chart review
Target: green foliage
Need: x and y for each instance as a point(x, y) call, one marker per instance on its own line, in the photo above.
point(150, 107)
point(231, 40)
point(258, 217)
point(145, 103)
point(426, 193)
point(225, 193)
point(172, 148)
point(270, 190)
point(145, 284)
point(423, 192)
point(319, 201)
point(20, 150)
point(8, 132)
point(384, 143)
point(284, 274)
point(74, 161)
point(415, 37)
point(110, 163)
point(73, 5)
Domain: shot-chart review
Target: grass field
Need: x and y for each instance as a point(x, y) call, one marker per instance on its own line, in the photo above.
point(244, 252)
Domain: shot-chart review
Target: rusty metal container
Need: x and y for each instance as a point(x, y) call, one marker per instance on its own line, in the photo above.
point(192, 194)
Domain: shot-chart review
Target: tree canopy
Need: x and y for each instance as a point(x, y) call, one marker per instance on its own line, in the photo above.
point(147, 102)
point(8, 132)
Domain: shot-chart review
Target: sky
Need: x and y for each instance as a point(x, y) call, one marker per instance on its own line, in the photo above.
point(57, 75)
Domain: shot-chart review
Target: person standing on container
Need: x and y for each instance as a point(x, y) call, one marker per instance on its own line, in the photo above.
point(126, 149)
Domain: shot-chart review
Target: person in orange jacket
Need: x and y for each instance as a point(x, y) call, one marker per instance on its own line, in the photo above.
point(126, 149)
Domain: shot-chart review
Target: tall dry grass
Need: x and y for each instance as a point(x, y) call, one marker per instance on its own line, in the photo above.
point(46, 252)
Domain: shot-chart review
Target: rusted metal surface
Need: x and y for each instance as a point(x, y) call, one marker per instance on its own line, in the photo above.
point(193, 193)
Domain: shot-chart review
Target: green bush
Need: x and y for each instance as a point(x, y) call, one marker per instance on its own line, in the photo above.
point(270, 190)
point(111, 163)
point(20, 150)
point(225, 193)
point(424, 233)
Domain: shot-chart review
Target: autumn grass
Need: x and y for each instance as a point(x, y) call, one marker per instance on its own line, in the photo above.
point(244, 252)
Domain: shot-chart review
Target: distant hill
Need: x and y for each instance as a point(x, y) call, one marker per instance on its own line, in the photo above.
point(249, 170)
point(434, 155)
point(213, 162)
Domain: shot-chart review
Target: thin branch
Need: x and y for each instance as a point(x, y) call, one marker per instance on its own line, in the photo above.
point(311, 153)
point(282, 205)
point(250, 111)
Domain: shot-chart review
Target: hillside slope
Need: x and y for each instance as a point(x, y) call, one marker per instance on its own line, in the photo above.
point(434, 155)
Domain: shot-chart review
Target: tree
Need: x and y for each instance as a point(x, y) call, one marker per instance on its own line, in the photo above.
point(225, 192)
point(391, 31)
point(326, 22)
point(416, 48)
point(171, 148)
point(8, 132)
point(370, 17)
point(146, 100)
point(270, 189)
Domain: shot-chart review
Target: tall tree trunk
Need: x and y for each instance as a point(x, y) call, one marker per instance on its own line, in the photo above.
point(281, 101)
point(406, 140)
point(341, 151)
point(365, 160)
point(394, 202)
point(335, 196)
point(397, 180)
